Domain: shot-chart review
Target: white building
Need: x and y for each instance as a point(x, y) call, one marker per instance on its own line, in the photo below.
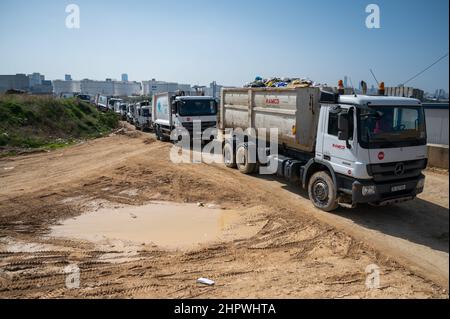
point(153, 87)
point(125, 88)
point(60, 86)
point(214, 89)
point(91, 87)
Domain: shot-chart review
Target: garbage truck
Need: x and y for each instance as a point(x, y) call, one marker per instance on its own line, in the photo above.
point(343, 149)
point(143, 119)
point(176, 112)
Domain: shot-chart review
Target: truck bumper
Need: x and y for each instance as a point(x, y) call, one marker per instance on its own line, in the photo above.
point(387, 193)
point(182, 131)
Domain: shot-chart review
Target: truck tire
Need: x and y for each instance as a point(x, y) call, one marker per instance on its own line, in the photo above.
point(157, 133)
point(228, 156)
point(242, 160)
point(322, 191)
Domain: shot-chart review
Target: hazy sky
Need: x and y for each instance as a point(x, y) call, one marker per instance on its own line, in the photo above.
point(198, 41)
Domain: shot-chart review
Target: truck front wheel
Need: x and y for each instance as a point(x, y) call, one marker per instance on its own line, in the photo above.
point(322, 191)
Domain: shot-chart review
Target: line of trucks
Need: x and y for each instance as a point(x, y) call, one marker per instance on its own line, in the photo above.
point(344, 149)
point(137, 114)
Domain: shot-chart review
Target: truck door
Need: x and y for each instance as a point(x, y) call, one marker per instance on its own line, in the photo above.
point(341, 156)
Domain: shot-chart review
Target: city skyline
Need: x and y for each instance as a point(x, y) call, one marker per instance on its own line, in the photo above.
point(200, 41)
point(36, 80)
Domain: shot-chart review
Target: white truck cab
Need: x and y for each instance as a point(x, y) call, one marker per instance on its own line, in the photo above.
point(171, 112)
point(143, 119)
point(375, 147)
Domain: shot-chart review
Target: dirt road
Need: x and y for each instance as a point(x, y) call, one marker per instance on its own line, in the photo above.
point(297, 251)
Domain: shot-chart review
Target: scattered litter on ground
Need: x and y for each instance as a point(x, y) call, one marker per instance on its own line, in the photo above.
point(206, 281)
point(129, 192)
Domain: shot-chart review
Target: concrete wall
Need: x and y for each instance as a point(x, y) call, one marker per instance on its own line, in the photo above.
point(438, 156)
point(437, 125)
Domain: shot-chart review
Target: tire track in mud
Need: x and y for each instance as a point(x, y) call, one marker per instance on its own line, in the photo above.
point(297, 243)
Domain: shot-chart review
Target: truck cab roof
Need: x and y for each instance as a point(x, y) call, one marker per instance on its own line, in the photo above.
point(370, 100)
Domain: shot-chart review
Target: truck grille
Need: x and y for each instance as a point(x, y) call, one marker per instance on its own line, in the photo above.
point(396, 170)
point(190, 125)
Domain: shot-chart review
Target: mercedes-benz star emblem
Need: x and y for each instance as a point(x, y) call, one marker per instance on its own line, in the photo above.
point(399, 169)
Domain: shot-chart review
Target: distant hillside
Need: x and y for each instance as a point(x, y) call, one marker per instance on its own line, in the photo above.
point(46, 122)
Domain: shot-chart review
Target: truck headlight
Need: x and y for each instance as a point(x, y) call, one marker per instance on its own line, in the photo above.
point(421, 183)
point(368, 190)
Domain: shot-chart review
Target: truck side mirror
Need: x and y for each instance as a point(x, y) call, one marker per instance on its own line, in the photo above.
point(174, 107)
point(343, 129)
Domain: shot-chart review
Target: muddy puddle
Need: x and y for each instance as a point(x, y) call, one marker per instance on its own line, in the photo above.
point(166, 225)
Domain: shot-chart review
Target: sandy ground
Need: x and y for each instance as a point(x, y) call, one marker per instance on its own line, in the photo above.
point(297, 252)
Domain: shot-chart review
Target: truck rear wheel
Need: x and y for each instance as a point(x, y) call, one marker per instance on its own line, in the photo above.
point(228, 156)
point(322, 191)
point(242, 162)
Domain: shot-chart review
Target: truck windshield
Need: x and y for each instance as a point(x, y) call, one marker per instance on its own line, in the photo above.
point(197, 108)
point(113, 101)
point(391, 126)
point(146, 112)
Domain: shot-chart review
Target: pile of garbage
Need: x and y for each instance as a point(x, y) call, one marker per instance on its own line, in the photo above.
point(276, 82)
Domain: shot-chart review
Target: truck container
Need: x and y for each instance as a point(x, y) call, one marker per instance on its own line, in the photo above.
point(344, 149)
point(294, 112)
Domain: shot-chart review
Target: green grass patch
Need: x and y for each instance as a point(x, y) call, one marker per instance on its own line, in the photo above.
point(49, 123)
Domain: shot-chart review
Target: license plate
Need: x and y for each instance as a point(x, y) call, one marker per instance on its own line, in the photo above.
point(398, 188)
